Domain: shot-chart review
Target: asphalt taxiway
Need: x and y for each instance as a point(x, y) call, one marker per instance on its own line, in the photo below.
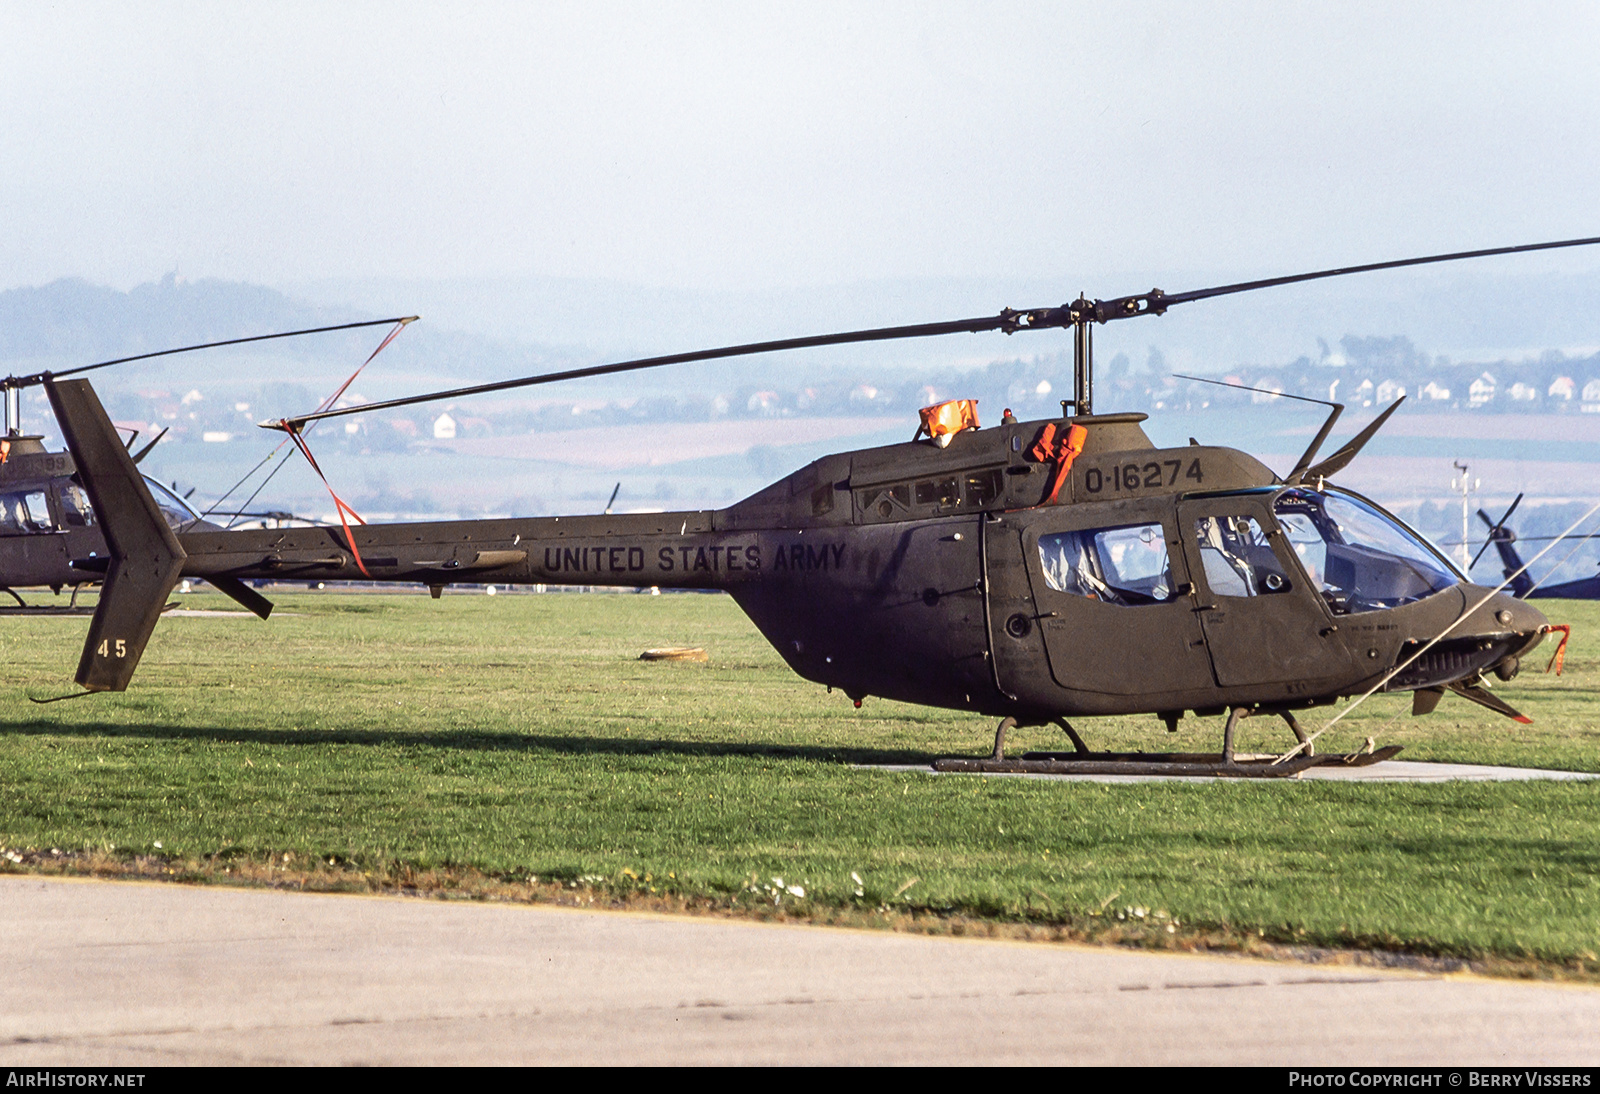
point(135, 974)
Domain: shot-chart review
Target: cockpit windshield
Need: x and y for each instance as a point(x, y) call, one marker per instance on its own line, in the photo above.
point(177, 511)
point(1360, 557)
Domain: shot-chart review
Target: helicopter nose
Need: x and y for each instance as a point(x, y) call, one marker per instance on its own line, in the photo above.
point(1493, 636)
point(1518, 620)
point(1516, 615)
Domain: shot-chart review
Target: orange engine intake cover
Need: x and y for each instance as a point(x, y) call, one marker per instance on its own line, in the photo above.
point(944, 420)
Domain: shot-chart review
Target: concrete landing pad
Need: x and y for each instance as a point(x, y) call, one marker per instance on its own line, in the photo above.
point(207, 613)
point(1390, 771)
point(218, 613)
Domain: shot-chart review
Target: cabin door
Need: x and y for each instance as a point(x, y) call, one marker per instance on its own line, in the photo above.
point(1110, 583)
point(1264, 622)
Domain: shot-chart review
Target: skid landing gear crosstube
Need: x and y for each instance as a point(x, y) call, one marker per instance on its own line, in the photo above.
point(1227, 763)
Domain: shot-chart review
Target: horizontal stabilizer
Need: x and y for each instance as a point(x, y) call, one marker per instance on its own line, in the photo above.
point(1484, 699)
point(244, 594)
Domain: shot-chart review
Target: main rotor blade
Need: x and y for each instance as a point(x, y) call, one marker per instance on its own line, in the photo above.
point(1079, 312)
point(1542, 539)
point(39, 377)
point(1521, 539)
point(1270, 282)
point(1008, 320)
point(1514, 503)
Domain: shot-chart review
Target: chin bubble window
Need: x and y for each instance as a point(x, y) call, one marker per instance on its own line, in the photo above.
point(1126, 565)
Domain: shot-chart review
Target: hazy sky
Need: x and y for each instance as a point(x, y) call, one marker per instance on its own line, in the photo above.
point(752, 145)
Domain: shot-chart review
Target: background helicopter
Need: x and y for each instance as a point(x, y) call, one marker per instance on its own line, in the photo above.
point(1516, 571)
point(47, 520)
point(1035, 570)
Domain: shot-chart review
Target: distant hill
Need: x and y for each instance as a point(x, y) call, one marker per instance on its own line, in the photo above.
point(71, 322)
point(71, 318)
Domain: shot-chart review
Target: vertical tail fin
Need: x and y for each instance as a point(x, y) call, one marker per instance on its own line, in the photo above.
point(146, 558)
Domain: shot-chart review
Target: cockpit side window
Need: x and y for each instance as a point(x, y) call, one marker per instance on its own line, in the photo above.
point(75, 509)
point(37, 506)
point(25, 512)
point(1126, 566)
point(1237, 557)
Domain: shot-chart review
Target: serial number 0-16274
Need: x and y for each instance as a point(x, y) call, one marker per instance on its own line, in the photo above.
point(1120, 478)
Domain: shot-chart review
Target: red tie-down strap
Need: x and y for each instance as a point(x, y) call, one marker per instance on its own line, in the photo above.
point(324, 405)
point(1558, 658)
point(1061, 451)
point(395, 333)
point(339, 505)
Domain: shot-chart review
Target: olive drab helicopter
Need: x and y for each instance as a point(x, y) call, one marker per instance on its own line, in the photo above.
point(46, 520)
point(1034, 571)
point(49, 535)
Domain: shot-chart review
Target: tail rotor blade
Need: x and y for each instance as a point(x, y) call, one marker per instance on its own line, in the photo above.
point(1494, 529)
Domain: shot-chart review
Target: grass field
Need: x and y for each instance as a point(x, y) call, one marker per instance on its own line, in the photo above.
point(514, 746)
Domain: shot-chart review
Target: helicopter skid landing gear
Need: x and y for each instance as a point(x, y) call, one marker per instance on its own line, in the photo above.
point(1008, 722)
point(1000, 738)
point(22, 607)
point(1227, 763)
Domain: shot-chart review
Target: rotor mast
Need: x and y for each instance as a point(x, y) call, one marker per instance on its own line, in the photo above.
point(1082, 358)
